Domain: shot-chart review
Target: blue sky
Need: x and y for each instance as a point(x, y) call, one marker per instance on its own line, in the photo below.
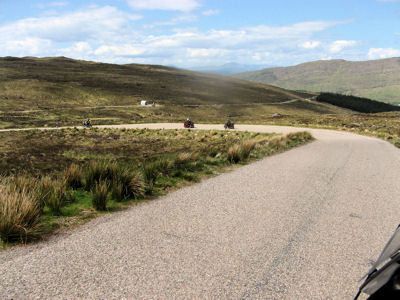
point(195, 33)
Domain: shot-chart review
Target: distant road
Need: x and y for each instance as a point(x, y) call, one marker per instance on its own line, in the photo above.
point(187, 105)
point(304, 224)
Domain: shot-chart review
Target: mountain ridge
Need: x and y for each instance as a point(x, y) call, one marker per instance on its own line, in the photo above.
point(375, 79)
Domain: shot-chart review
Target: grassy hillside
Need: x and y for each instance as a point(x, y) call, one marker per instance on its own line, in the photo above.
point(62, 91)
point(374, 79)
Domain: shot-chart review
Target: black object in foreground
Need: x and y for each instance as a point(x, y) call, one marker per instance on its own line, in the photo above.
point(383, 279)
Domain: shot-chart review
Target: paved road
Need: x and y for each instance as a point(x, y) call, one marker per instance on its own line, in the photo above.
point(305, 224)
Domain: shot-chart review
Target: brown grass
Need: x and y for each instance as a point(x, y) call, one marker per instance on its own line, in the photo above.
point(235, 154)
point(19, 214)
point(73, 176)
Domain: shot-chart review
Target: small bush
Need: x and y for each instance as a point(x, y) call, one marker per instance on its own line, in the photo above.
point(99, 196)
point(73, 176)
point(19, 214)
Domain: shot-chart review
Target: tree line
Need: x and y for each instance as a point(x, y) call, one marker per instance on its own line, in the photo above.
point(359, 104)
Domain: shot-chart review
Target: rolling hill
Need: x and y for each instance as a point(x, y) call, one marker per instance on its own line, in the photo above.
point(374, 79)
point(63, 91)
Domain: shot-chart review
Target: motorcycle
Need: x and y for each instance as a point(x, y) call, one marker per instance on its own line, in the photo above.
point(383, 279)
point(229, 125)
point(188, 124)
point(87, 125)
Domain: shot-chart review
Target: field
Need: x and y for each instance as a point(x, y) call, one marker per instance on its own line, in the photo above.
point(61, 91)
point(57, 179)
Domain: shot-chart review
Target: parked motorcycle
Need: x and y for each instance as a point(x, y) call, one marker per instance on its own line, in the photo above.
point(383, 279)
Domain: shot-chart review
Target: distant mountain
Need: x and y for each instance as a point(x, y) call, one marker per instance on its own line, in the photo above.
point(374, 79)
point(229, 68)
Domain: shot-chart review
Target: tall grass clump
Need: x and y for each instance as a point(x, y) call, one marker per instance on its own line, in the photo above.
point(136, 187)
point(73, 176)
point(44, 191)
point(247, 147)
point(235, 154)
point(23, 183)
point(183, 161)
point(99, 196)
point(95, 172)
point(56, 196)
point(277, 142)
point(150, 174)
point(19, 214)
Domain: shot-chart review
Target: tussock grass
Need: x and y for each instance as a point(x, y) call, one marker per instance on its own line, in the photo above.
point(183, 161)
point(108, 180)
point(95, 172)
point(56, 197)
point(19, 214)
point(278, 141)
point(240, 152)
point(100, 196)
point(150, 175)
point(73, 176)
point(136, 187)
point(235, 154)
point(117, 192)
point(23, 183)
point(247, 147)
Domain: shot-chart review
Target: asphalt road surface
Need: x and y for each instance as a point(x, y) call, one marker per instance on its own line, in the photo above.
point(304, 224)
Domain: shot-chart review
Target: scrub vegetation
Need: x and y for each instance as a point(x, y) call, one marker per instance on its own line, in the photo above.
point(56, 179)
point(36, 92)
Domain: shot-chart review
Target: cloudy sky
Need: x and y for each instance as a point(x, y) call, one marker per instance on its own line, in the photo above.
point(194, 33)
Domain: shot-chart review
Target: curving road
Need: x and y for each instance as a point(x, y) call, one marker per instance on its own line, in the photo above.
point(304, 224)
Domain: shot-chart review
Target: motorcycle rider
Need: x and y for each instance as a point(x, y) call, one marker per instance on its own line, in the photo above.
point(88, 122)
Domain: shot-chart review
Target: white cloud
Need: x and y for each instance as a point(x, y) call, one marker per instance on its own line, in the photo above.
point(207, 52)
point(378, 53)
point(180, 5)
point(186, 18)
point(52, 4)
point(210, 12)
point(95, 23)
point(110, 35)
point(338, 46)
point(311, 45)
point(25, 47)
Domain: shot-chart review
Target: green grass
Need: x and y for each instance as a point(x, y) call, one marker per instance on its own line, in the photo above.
point(174, 158)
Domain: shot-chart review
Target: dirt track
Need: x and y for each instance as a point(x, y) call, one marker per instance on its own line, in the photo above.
point(305, 224)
